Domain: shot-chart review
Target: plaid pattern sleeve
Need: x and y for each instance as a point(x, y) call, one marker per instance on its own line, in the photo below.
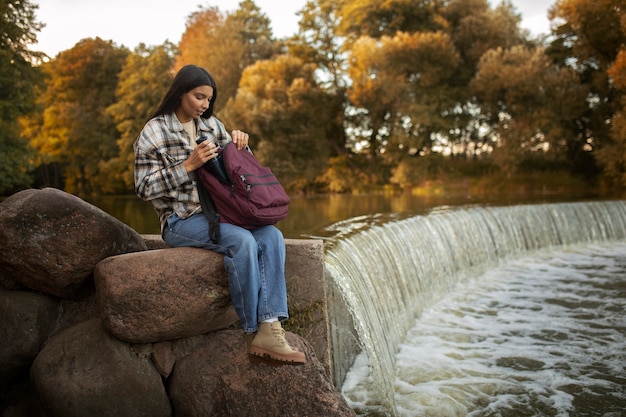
point(160, 177)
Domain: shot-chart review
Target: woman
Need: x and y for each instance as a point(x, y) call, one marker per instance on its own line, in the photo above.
point(166, 158)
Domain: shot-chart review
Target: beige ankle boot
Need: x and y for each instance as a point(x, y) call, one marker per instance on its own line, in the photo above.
point(270, 342)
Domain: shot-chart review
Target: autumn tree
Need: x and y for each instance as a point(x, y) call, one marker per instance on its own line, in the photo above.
point(19, 80)
point(470, 28)
point(369, 89)
point(529, 100)
point(474, 28)
point(144, 78)
point(398, 72)
point(375, 18)
point(76, 130)
point(396, 80)
point(317, 43)
point(613, 154)
point(280, 105)
point(225, 44)
point(588, 36)
point(417, 80)
point(369, 122)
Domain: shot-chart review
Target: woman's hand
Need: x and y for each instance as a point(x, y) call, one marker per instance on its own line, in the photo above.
point(240, 138)
point(203, 152)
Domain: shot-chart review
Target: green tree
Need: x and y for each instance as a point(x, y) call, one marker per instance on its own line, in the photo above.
point(77, 131)
point(19, 80)
point(317, 41)
point(254, 30)
point(145, 76)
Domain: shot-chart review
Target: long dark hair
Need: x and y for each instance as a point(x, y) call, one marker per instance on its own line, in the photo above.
point(187, 78)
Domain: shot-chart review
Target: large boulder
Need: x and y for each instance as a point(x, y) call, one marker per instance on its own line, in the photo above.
point(83, 371)
point(163, 294)
point(306, 295)
point(52, 240)
point(26, 321)
point(219, 379)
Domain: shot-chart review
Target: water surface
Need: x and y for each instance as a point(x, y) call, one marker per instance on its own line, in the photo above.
point(326, 216)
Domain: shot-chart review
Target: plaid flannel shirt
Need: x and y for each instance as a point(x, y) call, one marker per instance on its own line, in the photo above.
point(160, 150)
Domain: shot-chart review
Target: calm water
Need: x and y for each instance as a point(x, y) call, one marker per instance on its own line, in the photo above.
point(326, 216)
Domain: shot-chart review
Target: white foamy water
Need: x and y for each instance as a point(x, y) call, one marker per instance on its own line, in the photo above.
point(540, 335)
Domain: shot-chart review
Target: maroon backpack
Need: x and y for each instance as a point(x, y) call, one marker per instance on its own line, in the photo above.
point(251, 196)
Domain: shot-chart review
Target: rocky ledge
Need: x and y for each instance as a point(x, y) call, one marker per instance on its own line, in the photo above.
point(97, 320)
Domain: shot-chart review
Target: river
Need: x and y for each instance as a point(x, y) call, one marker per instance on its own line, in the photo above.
point(541, 335)
point(487, 311)
point(327, 216)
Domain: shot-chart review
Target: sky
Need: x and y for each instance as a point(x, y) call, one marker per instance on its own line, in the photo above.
point(131, 22)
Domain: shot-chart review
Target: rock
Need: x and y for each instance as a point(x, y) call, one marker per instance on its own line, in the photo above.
point(164, 358)
point(83, 371)
point(306, 295)
point(219, 379)
point(17, 402)
point(154, 242)
point(8, 282)
point(52, 240)
point(26, 321)
point(74, 312)
point(164, 294)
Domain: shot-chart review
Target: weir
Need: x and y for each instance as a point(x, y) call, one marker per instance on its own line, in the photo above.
point(387, 274)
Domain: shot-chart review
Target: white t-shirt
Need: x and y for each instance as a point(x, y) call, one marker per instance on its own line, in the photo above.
point(190, 127)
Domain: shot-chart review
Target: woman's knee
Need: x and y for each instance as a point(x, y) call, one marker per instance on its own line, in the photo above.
point(236, 238)
point(270, 236)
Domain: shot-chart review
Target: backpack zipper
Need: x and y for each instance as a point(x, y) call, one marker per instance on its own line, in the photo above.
point(249, 185)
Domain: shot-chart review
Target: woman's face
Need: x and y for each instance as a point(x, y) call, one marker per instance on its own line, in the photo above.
point(194, 103)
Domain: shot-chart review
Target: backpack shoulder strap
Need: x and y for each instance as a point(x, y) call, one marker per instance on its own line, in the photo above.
point(210, 212)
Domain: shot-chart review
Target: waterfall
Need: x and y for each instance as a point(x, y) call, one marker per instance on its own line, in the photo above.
point(388, 274)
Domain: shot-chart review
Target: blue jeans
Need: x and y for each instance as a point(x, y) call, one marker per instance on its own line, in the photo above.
point(254, 260)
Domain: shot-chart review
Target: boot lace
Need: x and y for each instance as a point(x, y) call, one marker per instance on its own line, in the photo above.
point(279, 335)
